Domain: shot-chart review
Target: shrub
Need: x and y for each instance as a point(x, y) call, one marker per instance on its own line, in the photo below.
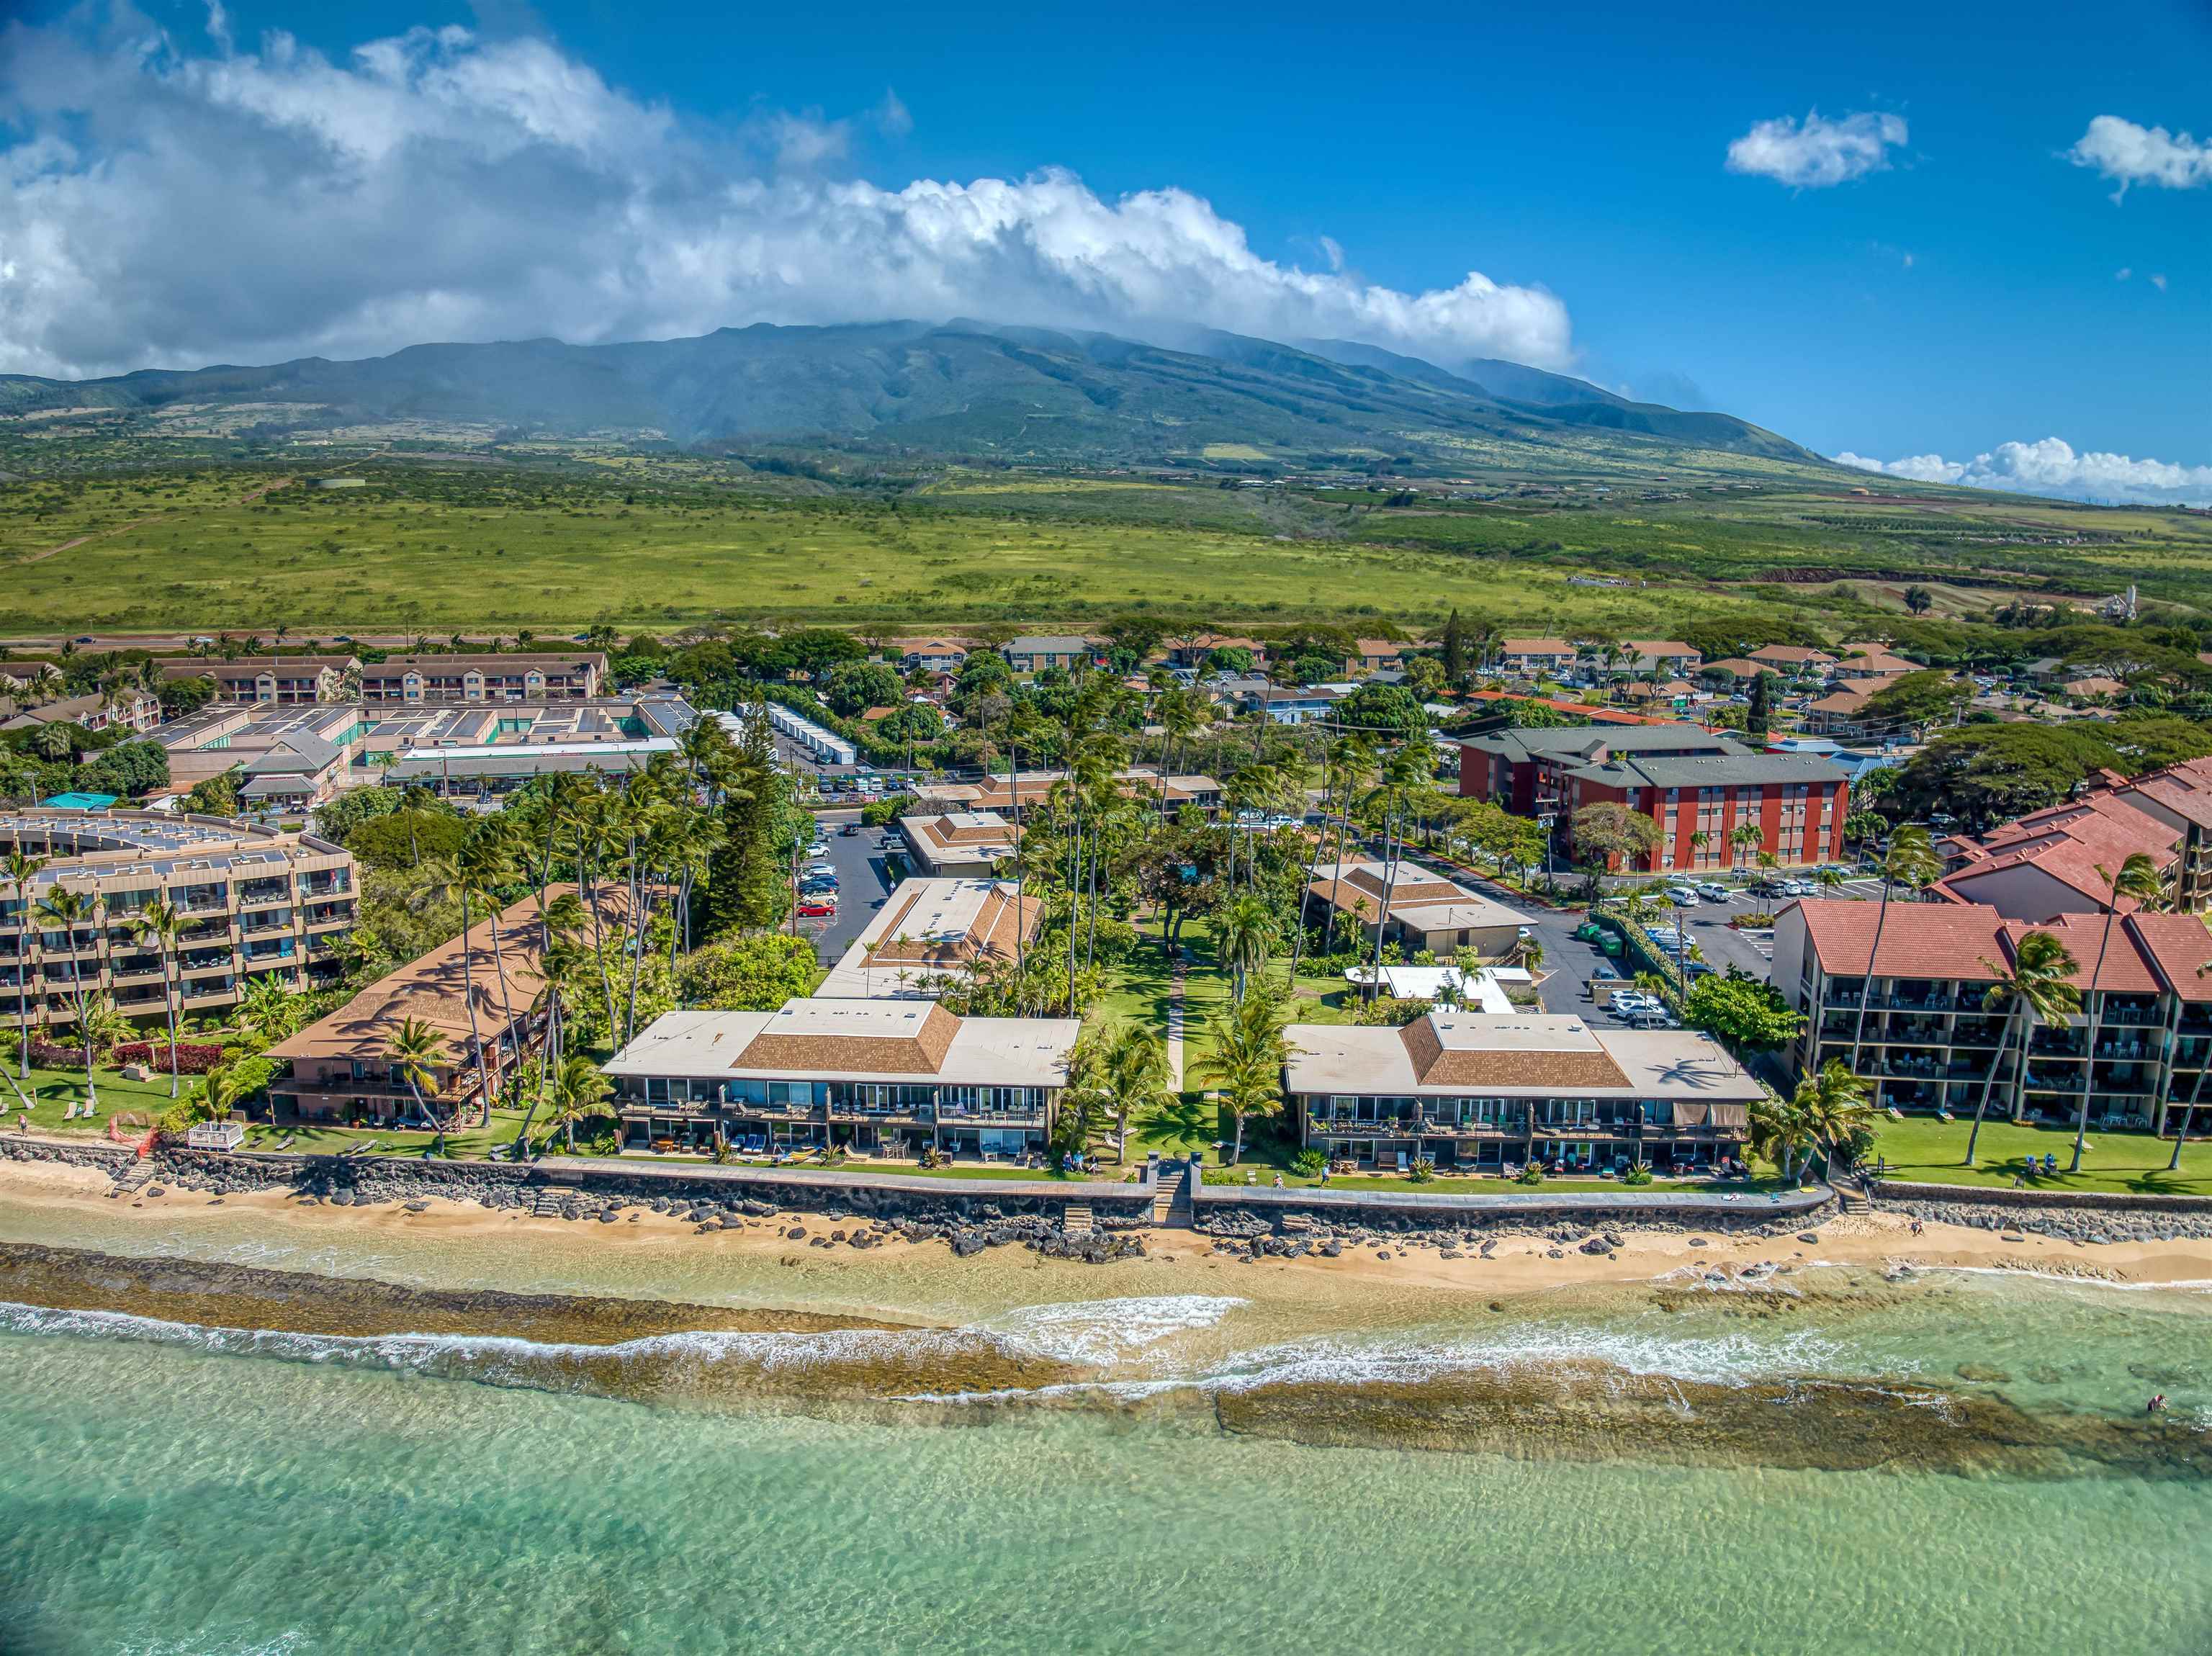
point(882, 813)
point(1421, 1172)
point(1638, 1175)
point(1309, 1162)
point(1392, 1012)
point(1755, 918)
point(193, 1057)
point(1531, 1174)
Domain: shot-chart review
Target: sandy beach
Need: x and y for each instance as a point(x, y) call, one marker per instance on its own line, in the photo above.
point(1177, 1258)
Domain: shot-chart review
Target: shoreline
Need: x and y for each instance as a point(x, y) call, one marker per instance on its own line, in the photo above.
point(1175, 1259)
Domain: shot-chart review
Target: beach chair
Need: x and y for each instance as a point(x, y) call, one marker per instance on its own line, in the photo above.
point(1405, 1163)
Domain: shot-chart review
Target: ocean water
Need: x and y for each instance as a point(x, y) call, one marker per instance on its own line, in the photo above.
point(1241, 1460)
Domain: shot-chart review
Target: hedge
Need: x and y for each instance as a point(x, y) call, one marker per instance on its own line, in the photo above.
point(193, 1057)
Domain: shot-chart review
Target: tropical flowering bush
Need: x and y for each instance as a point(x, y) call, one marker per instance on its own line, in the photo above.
point(193, 1057)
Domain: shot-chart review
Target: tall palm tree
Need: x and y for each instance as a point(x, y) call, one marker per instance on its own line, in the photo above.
point(1244, 937)
point(67, 910)
point(161, 925)
point(413, 1048)
point(1744, 836)
point(1246, 1064)
point(1135, 1063)
point(18, 868)
point(2136, 879)
point(1699, 839)
point(1911, 862)
point(2037, 987)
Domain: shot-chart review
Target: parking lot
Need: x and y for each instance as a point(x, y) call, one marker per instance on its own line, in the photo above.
point(863, 883)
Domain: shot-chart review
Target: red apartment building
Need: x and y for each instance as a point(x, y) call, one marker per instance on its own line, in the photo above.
point(1698, 787)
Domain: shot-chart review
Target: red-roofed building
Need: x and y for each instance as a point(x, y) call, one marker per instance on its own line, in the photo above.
point(2059, 861)
point(1915, 1019)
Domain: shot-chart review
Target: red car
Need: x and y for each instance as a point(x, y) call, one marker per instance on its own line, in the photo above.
point(813, 910)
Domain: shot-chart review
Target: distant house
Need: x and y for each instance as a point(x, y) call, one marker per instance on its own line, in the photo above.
point(1197, 650)
point(1874, 665)
point(1042, 653)
point(1535, 658)
point(933, 655)
point(1794, 661)
point(1376, 655)
point(1653, 658)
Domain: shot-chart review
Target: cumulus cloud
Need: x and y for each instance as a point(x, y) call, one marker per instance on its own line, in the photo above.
point(2128, 154)
point(1817, 152)
point(167, 205)
point(2052, 467)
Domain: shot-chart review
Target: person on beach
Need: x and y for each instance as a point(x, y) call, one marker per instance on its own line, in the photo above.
point(2156, 1406)
point(1915, 1228)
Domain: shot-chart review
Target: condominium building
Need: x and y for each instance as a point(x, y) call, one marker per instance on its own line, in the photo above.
point(284, 681)
point(1931, 1037)
point(931, 932)
point(135, 711)
point(257, 903)
point(971, 843)
point(487, 1014)
point(2056, 861)
point(291, 756)
point(1037, 654)
point(1698, 788)
point(878, 1076)
point(519, 677)
point(1480, 1091)
point(1419, 909)
point(1536, 657)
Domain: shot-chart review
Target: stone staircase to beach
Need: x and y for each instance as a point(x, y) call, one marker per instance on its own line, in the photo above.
point(546, 1203)
point(1851, 1196)
point(1171, 1197)
point(1076, 1219)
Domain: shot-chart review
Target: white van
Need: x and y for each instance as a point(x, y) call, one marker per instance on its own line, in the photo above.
point(1683, 896)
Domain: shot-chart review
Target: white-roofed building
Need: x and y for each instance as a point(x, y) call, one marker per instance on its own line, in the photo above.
point(878, 1076)
point(930, 931)
point(1477, 1091)
point(1425, 909)
point(952, 843)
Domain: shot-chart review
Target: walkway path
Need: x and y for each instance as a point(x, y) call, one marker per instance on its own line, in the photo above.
point(1175, 1029)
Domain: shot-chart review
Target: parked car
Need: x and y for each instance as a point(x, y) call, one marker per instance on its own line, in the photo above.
point(1712, 891)
point(849, 831)
point(1651, 1017)
point(1682, 896)
point(1797, 888)
point(815, 908)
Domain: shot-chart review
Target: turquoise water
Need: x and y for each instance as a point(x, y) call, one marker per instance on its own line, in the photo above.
point(166, 1489)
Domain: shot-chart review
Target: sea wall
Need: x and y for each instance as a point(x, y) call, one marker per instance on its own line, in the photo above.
point(1243, 1210)
point(581, 1187)
point(2089, 1217)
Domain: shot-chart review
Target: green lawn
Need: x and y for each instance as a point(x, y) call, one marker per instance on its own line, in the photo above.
point(57, 1090)
point(1489, 1184)
point(1921, 1148)
point(474, 1144)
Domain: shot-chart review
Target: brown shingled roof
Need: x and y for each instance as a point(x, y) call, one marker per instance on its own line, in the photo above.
point(919, 1054)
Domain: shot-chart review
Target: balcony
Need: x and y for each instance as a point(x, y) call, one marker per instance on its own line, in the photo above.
point(323, 916)
point(2134, 1017)
point(259, 893)
point(203, 991)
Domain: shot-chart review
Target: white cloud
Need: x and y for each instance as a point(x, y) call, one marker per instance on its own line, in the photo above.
point(1818, 152)
point(2128, 154)
point(163, 206)
point(2159, 283)
point(2051, 467)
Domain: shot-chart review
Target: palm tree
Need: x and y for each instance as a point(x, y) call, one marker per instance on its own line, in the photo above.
point(1246, 1064)
point(1912, 863)
point(1780, 1132)
point(161, 924)
point(413, 1048)
point(271, 1011)
point(1834, 1103)
point(2037, 987)
point(1744, 836)
point(1699, 839)
point(68, 910)
point(1136, 1061)
point(577, 1090)
point(19, 868)
point(1244, 936)
point(2138, 880)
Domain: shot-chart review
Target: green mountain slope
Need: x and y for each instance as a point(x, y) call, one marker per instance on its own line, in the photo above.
point(964, 388)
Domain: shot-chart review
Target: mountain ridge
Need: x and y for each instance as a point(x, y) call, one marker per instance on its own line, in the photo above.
point(958, 387)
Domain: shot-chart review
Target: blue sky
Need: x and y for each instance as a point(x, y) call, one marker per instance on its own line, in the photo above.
point(1961, 293)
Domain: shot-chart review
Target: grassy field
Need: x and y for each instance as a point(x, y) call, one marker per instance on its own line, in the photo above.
point(1921, 1149)
point(56, 1090)
point(440, 542)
